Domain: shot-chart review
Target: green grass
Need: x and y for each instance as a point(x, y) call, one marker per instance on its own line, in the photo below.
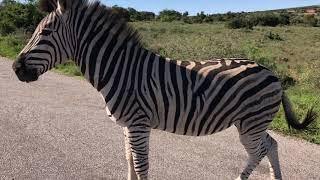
point(69, 69)
point(302, 99)
point(11, 45)
point(293, 52)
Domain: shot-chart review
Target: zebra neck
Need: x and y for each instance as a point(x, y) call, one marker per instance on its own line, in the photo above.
point(111, 68)
point(122, 76)
point(102, 43)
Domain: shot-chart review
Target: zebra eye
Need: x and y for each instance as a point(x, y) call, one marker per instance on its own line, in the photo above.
point(46, 32)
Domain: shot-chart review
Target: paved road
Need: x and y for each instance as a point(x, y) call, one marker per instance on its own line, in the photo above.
point(57, 128)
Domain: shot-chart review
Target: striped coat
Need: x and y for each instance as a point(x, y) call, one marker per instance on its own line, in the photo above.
point(145, 91)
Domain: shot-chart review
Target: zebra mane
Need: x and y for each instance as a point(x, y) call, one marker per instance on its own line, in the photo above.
point(132, 34)
point(74, 5)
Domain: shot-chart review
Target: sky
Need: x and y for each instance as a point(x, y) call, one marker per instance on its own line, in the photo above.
point(210, 6)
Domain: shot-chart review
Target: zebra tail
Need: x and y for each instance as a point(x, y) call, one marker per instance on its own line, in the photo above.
point(291, 117)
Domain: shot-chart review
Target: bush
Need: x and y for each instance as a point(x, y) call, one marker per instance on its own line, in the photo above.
point(187, 20)
point(147, 16)
point(273, 36)
point(15, 15)
point(169, 15)
point(268, 19)
point(140, 16)
point(286, 80)
point(310, 20)
point(248, 21)
point(122, 12)
point(284, 19)
point(296, 20)
point(6, 27)
point(240, 22)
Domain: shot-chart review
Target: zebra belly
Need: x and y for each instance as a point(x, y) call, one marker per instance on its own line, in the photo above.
point(202, 118)
point(193, 128)
point(194, 119)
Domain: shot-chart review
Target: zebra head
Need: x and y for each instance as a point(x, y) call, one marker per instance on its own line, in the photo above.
point(51, 43)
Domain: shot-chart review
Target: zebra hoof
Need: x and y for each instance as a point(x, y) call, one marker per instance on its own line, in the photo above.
point(239, 178)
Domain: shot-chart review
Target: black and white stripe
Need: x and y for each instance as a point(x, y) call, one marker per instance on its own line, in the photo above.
point(145, 91)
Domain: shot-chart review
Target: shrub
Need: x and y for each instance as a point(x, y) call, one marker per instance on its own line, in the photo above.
point(187, 20)
point(286, 80)
point(147, 16)
point(268, 19)
point(6, 27)
point(15, 15)
point(284, 19)
point(122, 12)
point(140, 15)
point(296, 20)
point(310, 20)
point(273, 36)
point(169, 15)
point(240, 22)
point(196, 19)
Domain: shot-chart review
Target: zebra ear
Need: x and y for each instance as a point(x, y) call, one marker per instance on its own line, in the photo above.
point(47, 5)
point(64, 5)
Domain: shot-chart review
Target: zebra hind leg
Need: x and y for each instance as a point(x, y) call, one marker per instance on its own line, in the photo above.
point(274, 165)
point(257, 148)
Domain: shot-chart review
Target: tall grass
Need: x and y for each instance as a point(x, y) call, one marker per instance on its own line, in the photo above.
point(11, 45)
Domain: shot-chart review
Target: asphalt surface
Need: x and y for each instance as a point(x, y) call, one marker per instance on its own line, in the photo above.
point(56, 128)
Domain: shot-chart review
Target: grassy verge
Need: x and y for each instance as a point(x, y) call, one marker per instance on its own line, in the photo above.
point(292, 52)
point(302, 99)
point(11, 45)
point(69, 69)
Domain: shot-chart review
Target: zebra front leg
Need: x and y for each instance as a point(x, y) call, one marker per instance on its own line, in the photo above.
point(137, 148)
point(131, 173)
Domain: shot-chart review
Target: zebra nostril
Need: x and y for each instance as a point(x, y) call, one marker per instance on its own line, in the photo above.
point(16, 66)
point(19, 63)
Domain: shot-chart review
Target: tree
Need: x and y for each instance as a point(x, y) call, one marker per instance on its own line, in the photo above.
point(134, 14)
point(202, 15)
point(185, 17)
point(122, 12)
point(185, 14)
point(15, 15)
point(140, 16)
point(7, 2)
point(147, 16)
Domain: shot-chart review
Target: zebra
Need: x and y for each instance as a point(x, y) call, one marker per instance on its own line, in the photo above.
point(144, 91)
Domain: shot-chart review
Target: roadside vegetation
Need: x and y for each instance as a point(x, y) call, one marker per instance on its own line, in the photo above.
point(289, 45)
